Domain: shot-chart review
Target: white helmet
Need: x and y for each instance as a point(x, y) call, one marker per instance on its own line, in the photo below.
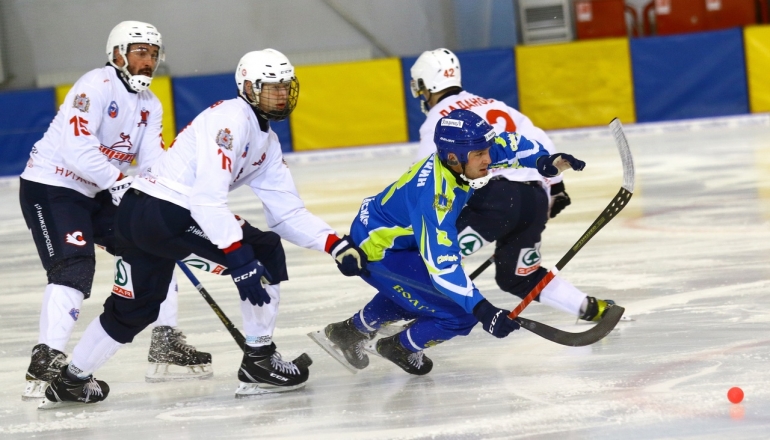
point(434, 71)
point(267, 66)
point(130, 32)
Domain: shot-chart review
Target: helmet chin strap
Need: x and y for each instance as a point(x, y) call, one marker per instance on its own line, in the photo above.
point(137, 83)
point(476, 183)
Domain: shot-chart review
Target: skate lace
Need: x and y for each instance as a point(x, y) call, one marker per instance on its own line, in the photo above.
point(58, 361)
point(416, 359)
point(92, 388)
point(179, 340)
point(285, 367)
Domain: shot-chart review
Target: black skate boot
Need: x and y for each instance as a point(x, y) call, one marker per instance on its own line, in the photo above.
point(65, 390)
point(263, 371)
point(171, 358)
point(45, 365)
point(350, 342)
point(413, 363)
point(596, 308)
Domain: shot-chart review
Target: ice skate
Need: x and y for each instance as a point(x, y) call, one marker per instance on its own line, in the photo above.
point(263, 371)
point(413, 363)
point(596, 308)
point(65, 391)
point(171, 358)
point(45, 365)
point(345, 344)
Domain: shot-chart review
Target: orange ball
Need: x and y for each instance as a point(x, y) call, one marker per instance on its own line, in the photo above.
point(735, 395)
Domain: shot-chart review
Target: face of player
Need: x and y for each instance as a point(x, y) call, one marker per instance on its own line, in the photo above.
point(142, 59)
point(478, 164)
point(274, 97)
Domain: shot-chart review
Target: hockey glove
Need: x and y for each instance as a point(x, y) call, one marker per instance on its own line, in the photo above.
point(550, 166)
point(119, 188)
point(559, 199)
point(351, 260)
point(494, 320)
point(247, 273)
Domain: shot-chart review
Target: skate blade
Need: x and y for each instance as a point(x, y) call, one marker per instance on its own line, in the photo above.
point(391, 329)
point(170, 373)
point(320, 338)
point(371, 347)
point(35, 390)
point(47, 404)
point(256, 389)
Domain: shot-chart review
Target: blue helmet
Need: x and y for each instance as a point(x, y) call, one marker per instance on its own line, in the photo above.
point(461, 132)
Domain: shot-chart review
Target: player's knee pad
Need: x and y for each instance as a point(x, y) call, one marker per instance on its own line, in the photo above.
point(76, 272)
point(519, 285)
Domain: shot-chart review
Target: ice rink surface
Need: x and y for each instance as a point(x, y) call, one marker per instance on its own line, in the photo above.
point(689, 259)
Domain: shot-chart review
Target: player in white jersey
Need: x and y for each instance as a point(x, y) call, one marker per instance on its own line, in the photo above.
point(513, 208)
point(227, 145)
point(75, 177)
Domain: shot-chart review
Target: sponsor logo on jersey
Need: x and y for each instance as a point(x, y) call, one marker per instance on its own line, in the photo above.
point(452, 123)
point(424, 173)
point(82, 102)
point(74, 313)
point(363, 213)
point(204, 264)
point(75, 238)
point(123, 286)
point(529, 260)
point(443, 258)
point(113, 153)
point(112, 110)
point(143, 114)
point(260, 161)
point(225, 139)
point(470, 243)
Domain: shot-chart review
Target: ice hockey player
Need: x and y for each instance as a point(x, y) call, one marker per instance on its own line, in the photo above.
point(75, 177)
point(513, 208)
point(226, 146)
point(408, 232)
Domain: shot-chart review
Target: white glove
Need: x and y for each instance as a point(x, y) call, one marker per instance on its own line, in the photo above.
point(119, 188)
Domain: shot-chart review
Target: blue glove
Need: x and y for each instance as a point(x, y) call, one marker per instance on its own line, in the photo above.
point(559, 199)
point(494, 320)
point(351, 260)
point(247, 275)
point(546, 166)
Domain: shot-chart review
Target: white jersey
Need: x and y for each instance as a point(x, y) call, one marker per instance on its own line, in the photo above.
point(222, 149)
point(101, 127)
point(502, 118)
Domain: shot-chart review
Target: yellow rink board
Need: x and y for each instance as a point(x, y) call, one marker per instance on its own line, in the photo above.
point(349, 104)
point(757, 45)
point(161, 87)
point(584, 83)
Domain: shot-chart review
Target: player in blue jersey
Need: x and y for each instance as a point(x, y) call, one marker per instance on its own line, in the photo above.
point(409, 237)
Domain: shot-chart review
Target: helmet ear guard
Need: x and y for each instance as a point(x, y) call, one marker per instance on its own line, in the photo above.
point(132, 32)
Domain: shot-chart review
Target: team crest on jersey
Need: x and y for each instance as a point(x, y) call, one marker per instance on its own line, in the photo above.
point(74, 313)
point(75, 238)
point(82, 102)
point(143, 114)
point(112, 110)
point(225, 139)
point(441, 203)
point(124, 286)
point(119, 151)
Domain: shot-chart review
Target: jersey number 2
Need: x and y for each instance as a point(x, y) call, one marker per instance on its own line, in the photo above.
point(494, 115)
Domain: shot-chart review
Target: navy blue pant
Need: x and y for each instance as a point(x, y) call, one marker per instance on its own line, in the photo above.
point(436, 317)
point(151, 235)
point(513, 214)
point(65, 226)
